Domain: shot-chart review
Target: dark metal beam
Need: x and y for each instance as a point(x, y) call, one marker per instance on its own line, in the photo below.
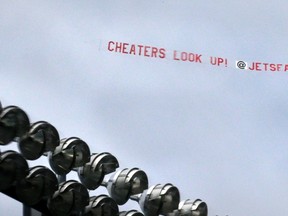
point(41, 206)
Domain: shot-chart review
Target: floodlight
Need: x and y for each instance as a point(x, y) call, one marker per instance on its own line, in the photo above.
point(93, 172)
point(13, 168)
point(71, 153)
point(71, 198)
point(125, 183)
point(14, 123)
point(40, 183)
point(42, 137)
point(159, 200)
point(102, 205)
point(193, 208)
point(131, 213)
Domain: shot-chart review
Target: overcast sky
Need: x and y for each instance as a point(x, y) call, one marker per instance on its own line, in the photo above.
point(217, 133)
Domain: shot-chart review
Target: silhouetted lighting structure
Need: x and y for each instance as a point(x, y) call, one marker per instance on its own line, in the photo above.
point(71, 198)
point(102, 205)
point(14, 123)
point(126, 183)
point(71, 153)
point(42, 137)
point(131, 213)
point(159, 199)
point(39, 188)
point(93, 172)
point(13, 168)
point(40, 183)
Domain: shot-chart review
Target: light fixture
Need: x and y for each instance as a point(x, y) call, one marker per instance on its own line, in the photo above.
point(125, 183)
point(93, 172)
point(130, 213)
point(71, 198)
point(71, 153)
point(39, 184)
point(42, 137)
point(159, 200)
point(193, 208)
point(13, 168)
point(14, 123)
point(102, 205)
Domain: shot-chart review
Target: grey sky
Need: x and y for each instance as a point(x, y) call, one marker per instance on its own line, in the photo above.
point(218, 134)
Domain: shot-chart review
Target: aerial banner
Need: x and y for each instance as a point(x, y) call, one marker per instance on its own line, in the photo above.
point(149, 51)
